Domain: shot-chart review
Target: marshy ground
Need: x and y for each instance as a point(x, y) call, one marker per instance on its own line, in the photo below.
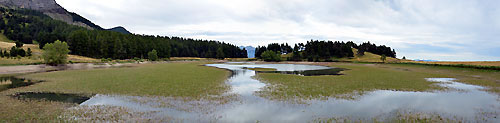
point(196, 84)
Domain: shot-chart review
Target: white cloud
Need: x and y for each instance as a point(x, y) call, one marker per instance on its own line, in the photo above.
point(460, 27)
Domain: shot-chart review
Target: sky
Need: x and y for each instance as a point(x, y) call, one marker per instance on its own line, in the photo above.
point(446, 30)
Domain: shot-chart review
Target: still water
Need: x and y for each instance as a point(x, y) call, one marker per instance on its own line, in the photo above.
point(9, 82)
point(462, 101)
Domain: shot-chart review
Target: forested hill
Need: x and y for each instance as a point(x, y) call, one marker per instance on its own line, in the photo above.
point(325, 50)
point(30, 26)
point(120, 30)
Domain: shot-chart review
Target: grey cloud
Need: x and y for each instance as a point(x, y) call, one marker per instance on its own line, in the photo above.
point(460, 26)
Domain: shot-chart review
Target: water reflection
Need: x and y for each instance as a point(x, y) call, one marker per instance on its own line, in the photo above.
point(332, 71)
point(58, 97)
point(14, 82)
point(470, 103)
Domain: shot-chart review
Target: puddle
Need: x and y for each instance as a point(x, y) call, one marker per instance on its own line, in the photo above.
point(14, 82)
point(469, 105)
point(66, 98)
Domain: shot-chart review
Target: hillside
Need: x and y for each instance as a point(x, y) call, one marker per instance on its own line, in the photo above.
point(120, 30)
point(52, 9)
point(29, 26)
point(368, 57)
point(6, 44)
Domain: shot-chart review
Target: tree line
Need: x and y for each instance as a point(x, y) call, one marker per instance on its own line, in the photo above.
point(315, 50)
point(28, 26)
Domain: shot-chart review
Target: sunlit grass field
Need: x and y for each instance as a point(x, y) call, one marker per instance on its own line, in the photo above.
point(478, 63)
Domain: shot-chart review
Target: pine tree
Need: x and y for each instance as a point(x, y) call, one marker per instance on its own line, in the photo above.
point(220, 53)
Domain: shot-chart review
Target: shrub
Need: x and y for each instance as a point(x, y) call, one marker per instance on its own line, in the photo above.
point(153, 55)
point(383, 58)
point(29, 52)
point(55, 53)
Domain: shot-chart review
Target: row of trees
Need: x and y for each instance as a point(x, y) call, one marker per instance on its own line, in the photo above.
point(27, 26)
point(275, 47)
point(372, 48)
point(316, 50)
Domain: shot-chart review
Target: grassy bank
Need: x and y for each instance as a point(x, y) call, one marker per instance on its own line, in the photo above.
point(182, 80)
point(491, 66)
point(169, 79)
point(368, 77)
point(476, 63)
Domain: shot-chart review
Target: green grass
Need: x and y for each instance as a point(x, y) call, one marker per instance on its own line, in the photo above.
point(360, 78)
point(170, 79)
point(4, 38)
point(482, 77)
point(186, 80)
point(368, 77)
point(457, 65)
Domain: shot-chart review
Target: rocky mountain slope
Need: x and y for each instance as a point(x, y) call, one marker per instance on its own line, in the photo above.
point(50, 8)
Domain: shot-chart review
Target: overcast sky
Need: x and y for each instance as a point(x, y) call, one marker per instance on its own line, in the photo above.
point(418, 29)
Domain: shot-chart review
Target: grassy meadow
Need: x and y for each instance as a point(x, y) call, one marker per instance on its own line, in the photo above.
point(368, 77)
point(186, 80)
point(169, 79)
point(477, 63)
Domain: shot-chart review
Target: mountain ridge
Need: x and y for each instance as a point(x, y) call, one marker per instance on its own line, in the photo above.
point(52, 9)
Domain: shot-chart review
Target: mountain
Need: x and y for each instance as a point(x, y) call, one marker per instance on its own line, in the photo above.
point(250, 51)
point(120, 29)
point(52, 9)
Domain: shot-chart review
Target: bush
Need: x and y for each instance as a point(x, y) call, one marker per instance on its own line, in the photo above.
point(270, 56)
point(29, 52)
point(55, 53)
point(153, 55)
point(383, 58)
